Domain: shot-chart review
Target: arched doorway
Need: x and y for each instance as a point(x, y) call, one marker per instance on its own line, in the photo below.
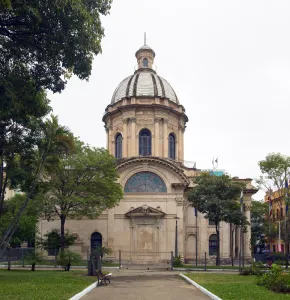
point(96, 240)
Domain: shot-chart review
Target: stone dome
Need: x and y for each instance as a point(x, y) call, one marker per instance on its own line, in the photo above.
point(144, 82)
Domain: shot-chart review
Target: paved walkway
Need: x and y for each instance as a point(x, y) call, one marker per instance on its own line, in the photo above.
point(150, 285)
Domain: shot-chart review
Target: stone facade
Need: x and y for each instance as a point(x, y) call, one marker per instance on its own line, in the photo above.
point(143, 224)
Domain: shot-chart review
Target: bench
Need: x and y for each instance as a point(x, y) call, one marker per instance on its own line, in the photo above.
point(103, 278)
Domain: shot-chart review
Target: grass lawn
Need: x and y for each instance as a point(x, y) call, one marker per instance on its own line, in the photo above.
point(52, 285)
point(235, 287)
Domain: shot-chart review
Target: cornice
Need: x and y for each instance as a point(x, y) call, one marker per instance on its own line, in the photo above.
point(149, 159)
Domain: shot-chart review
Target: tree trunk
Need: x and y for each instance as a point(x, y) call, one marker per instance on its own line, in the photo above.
point(286, 244)
point(33, 267)
point(62, 238)
point(218, 244)
point(232, 243)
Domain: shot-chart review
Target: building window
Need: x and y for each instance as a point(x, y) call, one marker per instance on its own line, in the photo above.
point(118, 145)
point(145, 63)
point(212, 244)
point(145, 182)
point(145, 142)
point(171, 146)
point(211, 222)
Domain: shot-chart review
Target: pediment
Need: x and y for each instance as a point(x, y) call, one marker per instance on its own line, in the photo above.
point(145, 210)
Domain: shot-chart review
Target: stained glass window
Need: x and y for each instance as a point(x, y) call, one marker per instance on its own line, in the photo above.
point(118, 146)
point(145, 142)
point(145, 182)
point(171, 146)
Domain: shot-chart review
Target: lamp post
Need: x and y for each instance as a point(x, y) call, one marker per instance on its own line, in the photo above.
point(176, 237)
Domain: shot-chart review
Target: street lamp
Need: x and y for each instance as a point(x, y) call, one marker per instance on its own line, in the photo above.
point(176, 237)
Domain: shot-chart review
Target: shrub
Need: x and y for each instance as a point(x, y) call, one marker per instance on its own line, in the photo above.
point(33, 258)
point(255, 269)
point(275, 280)
point(177, 261)
point(67, 258)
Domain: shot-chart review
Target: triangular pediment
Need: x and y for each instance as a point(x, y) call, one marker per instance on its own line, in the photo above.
point(145, 210)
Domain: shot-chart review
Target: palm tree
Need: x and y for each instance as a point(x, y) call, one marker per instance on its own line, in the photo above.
point(55, 141)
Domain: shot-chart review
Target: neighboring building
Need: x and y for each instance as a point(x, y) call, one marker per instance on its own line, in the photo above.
point(277, 216)
point(145, 124)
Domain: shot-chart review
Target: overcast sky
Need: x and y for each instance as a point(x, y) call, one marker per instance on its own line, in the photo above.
point(228, 62)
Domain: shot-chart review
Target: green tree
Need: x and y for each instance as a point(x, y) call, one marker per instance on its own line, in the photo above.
point(82, 184)
point(27, 225)
point(51, 38)
point(259, 225)
point(275, 169)
point(22, 107)
point(216, 197)
point(55, 141)
point(51, 240)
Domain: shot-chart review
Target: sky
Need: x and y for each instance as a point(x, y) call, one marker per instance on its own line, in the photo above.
point(228, 62)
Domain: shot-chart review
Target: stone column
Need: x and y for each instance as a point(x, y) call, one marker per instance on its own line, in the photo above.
point(180, 156)
point(247, 235)
point(180, 224)
point(156, 137)
point(165, 138)
point(107, 138)
point(111, 149)
point(125, 139)
point(110, 232)
point(225, 249)
point(134, 145)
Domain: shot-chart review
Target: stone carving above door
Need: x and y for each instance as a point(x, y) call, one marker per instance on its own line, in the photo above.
point(145, 210)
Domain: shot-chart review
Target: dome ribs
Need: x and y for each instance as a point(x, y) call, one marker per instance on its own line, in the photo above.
point(135, 85)
point(154, 85)
point(162, 86)
point(128, 86)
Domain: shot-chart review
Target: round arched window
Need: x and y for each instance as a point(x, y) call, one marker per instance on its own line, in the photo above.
point(145, 182)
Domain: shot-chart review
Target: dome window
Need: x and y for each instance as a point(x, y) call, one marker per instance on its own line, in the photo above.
point(145, 63)
point(118, 146)
point(145, 142)
point(171, 146)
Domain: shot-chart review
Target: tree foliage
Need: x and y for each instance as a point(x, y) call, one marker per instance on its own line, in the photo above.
point(216, 197)
point(275, 169)
point(54, 142)
point(259, 224)
point(21, 112)
point(27, 226)
point(51, 38)
point(82, 184)
point(51, 240)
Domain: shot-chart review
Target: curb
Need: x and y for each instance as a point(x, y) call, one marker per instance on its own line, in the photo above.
point(202, 289)
point(207, 270)
point(84, 292)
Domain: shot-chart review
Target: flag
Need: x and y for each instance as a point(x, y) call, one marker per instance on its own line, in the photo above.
point(286, 195)
point(270, 207)
point(195, 211)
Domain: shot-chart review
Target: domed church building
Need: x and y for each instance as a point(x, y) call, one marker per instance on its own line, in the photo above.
point(145, 124)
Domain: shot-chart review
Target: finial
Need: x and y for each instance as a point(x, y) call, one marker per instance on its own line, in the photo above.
point(144, 38)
